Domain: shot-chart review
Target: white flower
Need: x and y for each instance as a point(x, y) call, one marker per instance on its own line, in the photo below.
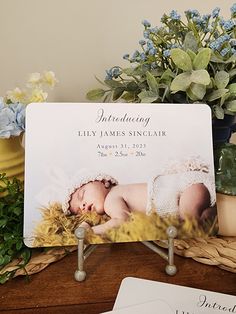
point(16, 95)
point(49, 78)
point(34, 79)
point(38, 95)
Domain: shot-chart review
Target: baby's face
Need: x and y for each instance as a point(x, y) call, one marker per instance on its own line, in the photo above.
point(89, 197)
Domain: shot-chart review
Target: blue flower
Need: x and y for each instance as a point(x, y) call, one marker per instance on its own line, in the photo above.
point(12, 120)
point(143, 56)
point(233, 8)
point(146, 33)
point(112, 73)
point(135, 55)
point(192, 13)
point(175, 15)
point(233, 50)
point(224, 51)
point(206, 17)
point(126, 56)
point(146, 23)
point(109, 75)
point(116, 72)
point(19, 110)
point(215, 12)
point(166, 53)
point(228, 25)
point(150, 44)
point(154, 30)
point(142, 42)
point(233, 42)
point(152, 51)
point(197, 20)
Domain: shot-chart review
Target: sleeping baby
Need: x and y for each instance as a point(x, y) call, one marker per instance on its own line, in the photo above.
point(185, 189)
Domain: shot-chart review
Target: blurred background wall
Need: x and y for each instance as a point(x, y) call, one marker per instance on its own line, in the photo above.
point(77, 39)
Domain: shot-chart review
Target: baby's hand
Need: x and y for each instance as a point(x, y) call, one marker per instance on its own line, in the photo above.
point(85, 225)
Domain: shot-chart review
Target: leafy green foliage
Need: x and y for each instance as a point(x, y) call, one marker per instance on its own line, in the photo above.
point(225, 166)
point(184, 60)
point(11, 225)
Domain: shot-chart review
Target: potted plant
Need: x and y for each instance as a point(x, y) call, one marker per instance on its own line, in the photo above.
point(225, 165)
point(12, 121)
point(183, 61)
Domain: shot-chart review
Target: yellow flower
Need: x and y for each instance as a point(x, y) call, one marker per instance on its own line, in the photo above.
point(49, 78)
point(16, 95)
point(34, 79)
point(38, 95)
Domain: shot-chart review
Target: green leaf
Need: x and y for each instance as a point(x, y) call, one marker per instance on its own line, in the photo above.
point(200, 77)
point(17, 211)
point(117, 93)
point(1, 260)
point(181, 59)
point(224, 98)
point(7, 259)
point(191, 95)
point(8, 236)
point(221, 79)
point(232, 73)
point(231, 106)
point(3, 222)
point(132, 87)
point(181, 82)
point(139, 70)
point(95, 94)
point(167, 75)
point(218, 111)
point(19, 245)
point(232, 88)
point(152, 83)
point(148, 96)
point(216, 94)
point(190, 42)
point(202, 59)
point(231, 59)
point(198, 90)
point(191, 54)
point(128, 97)
point(113, 83)
point(26, 254)
point(216, 59)
point(6, 276)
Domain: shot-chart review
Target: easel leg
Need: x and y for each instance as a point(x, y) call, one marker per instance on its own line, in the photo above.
point(80, 274)
point(170, 268)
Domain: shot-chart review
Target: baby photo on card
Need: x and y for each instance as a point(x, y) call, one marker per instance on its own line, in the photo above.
point(124, 172)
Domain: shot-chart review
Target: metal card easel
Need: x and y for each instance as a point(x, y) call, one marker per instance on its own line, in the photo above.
point(84, 252)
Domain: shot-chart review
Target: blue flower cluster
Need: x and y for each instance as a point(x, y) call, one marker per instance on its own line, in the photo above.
point(175, 16)
point(146, 23)
point(215, 12)
point(233, 9)
point(218, 43)
point(192, 13)
point(12, 119)
point(158, 41)
point(115, 71)
point(227, 25)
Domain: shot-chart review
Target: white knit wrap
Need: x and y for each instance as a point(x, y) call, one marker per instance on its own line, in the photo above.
point(164, 190)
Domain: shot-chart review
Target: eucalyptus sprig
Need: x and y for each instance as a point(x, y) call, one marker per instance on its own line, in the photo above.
point(182, 61)
point(11, 225)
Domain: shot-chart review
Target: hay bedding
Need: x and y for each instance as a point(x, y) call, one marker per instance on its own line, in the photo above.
point(56, 229)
